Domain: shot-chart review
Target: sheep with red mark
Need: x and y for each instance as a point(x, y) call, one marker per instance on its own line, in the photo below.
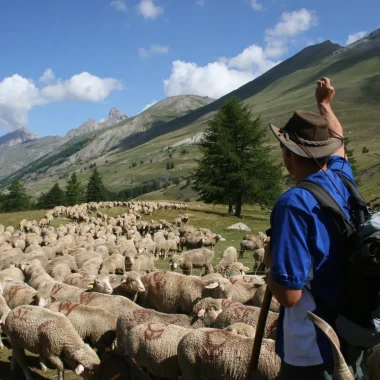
point(51, 336)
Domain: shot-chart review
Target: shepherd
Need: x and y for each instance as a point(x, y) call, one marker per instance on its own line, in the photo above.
point(304, 263)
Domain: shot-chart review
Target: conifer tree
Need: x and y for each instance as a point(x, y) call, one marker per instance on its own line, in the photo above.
point(16, 199)
point(73, 191)
point(54, 197)
point(237, 166)
point(96, 192)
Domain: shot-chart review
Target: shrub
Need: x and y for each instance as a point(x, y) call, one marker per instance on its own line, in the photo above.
point(188, 181)
point(170, 155)
point(365, 150)
point(141, 162)
point(106, 161)
point(183, 151)
point(187, 200)
point(134, 164)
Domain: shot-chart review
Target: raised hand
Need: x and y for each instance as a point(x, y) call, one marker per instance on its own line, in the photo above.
point(324, 92)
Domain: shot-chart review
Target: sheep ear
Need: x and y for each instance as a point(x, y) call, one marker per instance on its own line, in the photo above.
point(90, 285)
point(52, 299)
point(79, 369)
point(201, 312)
point(213, 285)
point(8, 279)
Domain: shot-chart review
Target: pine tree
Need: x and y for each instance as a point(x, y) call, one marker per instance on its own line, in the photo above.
point(96, 192)
point(54, 197)
point(236, 166)
point(16, 199)
point(73, 191)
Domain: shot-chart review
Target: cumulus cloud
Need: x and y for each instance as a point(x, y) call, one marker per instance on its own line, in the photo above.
point(355, 36)
point(47, 77)
point(256, 5)
point(119, 5)
point(201, 3)
point(154, 101)
point(291, 24)
point(18, 95)
point(227, 74)
point(154, 49)
point(149, 10)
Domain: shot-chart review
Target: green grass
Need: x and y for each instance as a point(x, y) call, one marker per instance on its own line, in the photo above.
point(14, 218)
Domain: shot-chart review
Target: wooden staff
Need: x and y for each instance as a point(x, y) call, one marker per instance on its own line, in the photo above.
point(260, 331)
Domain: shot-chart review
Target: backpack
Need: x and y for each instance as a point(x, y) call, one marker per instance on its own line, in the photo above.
point(360, 253)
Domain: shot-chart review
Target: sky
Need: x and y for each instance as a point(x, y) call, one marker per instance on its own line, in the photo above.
point(66, 61)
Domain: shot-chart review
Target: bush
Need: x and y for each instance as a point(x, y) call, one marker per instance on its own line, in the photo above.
point(134, 164)
point(188, 181)
point(106, 161)
point(170, 155)
point(365, 150)
point(187, 200)
point(176, 181)
point(183, 151)
point(151, 160)
point(141, 162)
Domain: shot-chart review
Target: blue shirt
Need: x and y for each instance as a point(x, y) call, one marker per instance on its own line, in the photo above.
point(305, 249)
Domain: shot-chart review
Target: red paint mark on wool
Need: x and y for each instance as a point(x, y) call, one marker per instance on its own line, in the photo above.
point(151, 334)
point(271, 327)
point(86, 297)
point(67, 307)
point(57, 288)
point(12, 292)
point(158, 280)
point(242, 314)
point(141, 316)
point(214, 343)
point(22, 312)
point(43, 325)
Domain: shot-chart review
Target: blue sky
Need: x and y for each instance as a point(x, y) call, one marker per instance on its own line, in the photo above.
point(64, 62)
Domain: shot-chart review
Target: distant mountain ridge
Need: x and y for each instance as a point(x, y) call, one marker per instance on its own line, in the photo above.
point(17, 137)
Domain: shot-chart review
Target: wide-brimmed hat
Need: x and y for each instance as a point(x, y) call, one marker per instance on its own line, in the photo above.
point(307, 134)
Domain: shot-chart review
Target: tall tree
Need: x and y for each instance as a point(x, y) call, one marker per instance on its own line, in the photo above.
point(73, 191)
point(96, 191)
point(237, 166)
point(54, 197)
point(16, 199)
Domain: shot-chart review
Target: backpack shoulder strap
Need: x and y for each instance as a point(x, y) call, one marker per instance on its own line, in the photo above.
point(326, 201)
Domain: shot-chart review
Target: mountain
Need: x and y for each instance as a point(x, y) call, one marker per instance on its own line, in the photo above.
point(17, 137)
point(135, 151)
point(92, 125)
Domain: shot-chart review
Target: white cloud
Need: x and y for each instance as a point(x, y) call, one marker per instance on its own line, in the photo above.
point(201, 3)
point(47, 77)
point(119, 5)
point(19, 95)
point(256, 5)
point(154, 49)
point(355, 36)
point(149, 10)
point(291, 24)
point(154, 101)
point(227, 74)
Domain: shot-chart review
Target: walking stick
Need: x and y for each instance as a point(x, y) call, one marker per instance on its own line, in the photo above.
point(260, 330)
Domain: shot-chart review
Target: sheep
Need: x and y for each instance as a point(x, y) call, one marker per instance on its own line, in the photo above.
point(372, 361)
point(241, 328)
point(130, 286)
point(13, 273)
point(35, 275)
point(258, 255)
point(113, 263)
point(198, 258)
point(222, 313)
point(17, 294)
point(91, 323)
point(212, 241)
point(165, 246)
point(236, 269)
point(91, 267)
point(4, 311)
point(170, 292)
point(66, 259)
point(202, 353)
point(80, 281)
point(154, 347)
point(250, 245)
point(51, 336)
point(242, 292)
point(60, 271)
point(191, 242)
point(258, 298)
point(229, 256)
point(141, 263)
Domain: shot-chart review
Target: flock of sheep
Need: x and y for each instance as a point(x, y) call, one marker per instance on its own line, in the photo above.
point(86, 296)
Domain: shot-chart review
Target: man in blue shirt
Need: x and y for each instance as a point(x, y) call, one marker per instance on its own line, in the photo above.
point(305, 269)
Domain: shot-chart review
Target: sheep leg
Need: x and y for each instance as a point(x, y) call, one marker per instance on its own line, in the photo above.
point(42, 364)
point(18, 355)
point(56, 362)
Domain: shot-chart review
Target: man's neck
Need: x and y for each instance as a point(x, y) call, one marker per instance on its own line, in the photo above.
point(302, 173)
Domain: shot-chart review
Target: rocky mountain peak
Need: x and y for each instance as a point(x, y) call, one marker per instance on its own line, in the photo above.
point(17, 137)
point(115, 115)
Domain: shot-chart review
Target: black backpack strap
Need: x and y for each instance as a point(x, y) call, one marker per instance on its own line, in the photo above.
point(327, 202)
point(360, 204)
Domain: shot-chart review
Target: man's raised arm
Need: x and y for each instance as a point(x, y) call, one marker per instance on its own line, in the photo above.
point(324, 94)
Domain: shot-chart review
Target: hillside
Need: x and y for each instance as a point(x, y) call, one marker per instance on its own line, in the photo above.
point(144, 140)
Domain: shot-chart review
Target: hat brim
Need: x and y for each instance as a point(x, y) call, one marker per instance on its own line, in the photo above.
point(315, 151)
